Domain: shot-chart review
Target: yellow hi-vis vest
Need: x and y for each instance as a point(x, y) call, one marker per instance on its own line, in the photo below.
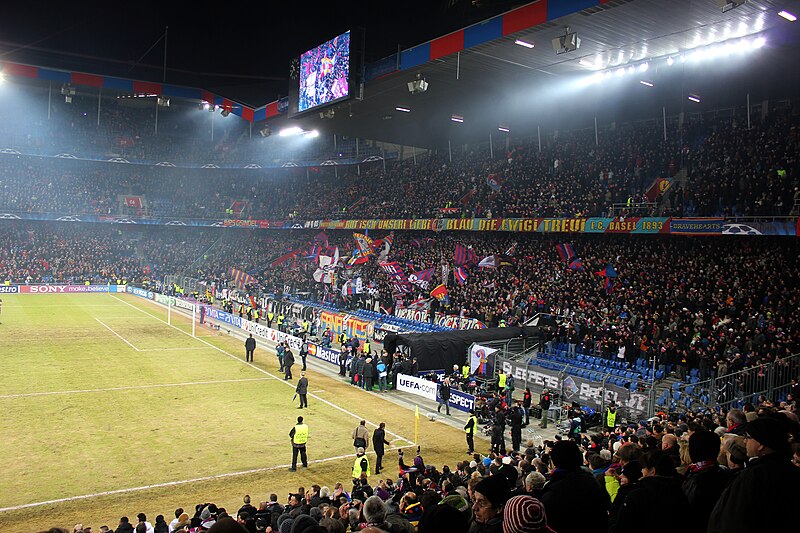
point(270, 316)
point(465, 371)
point(300, 434)
point(474, 425)
point(357, 467)
point(611, 418)
point(501, 380)
point(367, 348)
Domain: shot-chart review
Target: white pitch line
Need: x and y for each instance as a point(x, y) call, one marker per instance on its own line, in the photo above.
point(118, 335)
point(173, 483)
point(130, 387)
point(169, 349)
point(262, 370)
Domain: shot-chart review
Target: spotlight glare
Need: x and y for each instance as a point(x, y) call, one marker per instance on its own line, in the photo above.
point(524, 43)
point(620, 71)
point(694, 98)
point(504, 129)
point(631, 69)
point(403, 109)
point(647, 83)
point(311, 134)
point(670, 61)
point(2, 78)
point(643, 67)
point(788, 16)
point(760, 42)
point(457, 118)
point(288, 132)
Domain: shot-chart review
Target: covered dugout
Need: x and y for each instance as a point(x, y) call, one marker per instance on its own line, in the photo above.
point(442, 350)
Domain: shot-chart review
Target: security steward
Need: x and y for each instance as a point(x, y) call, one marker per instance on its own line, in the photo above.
point(469, 428)
point(367, 347)
point(281, 318)
point(361, 464)
point(610, 420)
point(270, 318)
point(299, 436)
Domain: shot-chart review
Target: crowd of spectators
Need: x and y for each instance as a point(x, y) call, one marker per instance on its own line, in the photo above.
point(729, 302)
point(729, 472)
point(731, 170)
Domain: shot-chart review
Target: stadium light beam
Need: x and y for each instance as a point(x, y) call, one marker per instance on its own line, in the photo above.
point(313, 134)
point(403, 109)
point(524, 44)
point(504, 129)
point(457, 118)
point(788, 16)
point(290, 132)
point(2, 78)
point(694, 98)
point(647, 83)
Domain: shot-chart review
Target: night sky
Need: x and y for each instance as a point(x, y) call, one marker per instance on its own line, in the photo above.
point(240, 50)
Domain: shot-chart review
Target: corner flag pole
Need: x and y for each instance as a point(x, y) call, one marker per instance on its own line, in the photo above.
point(169, 311)
point(416, 425)
point(194, 319)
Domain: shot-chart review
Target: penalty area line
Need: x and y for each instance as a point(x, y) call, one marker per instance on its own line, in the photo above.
point(326, 402)
point(120, 337)
point(173, 483)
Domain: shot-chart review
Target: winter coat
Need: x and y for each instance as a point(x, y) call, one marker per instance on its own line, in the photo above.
point(575, 503)
point(644, 505)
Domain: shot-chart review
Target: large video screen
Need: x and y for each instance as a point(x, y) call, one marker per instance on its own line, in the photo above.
point(325, 73)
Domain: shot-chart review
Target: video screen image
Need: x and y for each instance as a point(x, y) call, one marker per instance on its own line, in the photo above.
point(324, 73)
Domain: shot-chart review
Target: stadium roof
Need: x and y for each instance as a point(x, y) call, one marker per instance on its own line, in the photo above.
point(486, 83)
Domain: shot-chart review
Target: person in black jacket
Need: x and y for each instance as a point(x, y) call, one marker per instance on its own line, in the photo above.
point(249, 347)
point(515, 419)
point(368, 373)
point(658, 489)
point(444, 396)
point(498, 431)
point(760, 497)
point(288, 361)
point(378, 440)
point(302, 390)
point(705, 480)
point(574, 501)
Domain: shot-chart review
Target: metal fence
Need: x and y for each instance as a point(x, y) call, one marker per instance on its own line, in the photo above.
point(733, 390)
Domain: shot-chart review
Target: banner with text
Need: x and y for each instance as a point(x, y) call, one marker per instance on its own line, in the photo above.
point(430, 391)
point(448, 321)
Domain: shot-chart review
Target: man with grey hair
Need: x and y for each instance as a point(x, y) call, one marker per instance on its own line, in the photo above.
point(735, 421)
point(375, 512)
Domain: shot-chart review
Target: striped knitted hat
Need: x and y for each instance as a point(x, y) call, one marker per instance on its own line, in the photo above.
point(524, 514)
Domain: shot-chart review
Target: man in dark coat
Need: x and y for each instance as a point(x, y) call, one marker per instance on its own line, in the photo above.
point(515, 419)
point(705, 480)
point(288, 361)
point(302, 390)
point(444, 396)
point(369, 373)
point(498, 431)
point(249, 347)
point(378, 440)
point(759, 498)
point(574, 500)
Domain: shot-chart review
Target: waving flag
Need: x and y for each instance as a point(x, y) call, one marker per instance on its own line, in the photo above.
point(608, 273)
point(363, 243)
point(463, 255)
point(419, 305)
point(314, 252)
point(488, 262)
point(240, 278)
point(321, 239)
point(357, 258)
point(422, 278)
point(461, 274)
point(576, 265)
point(285, 257)
point(511, 250)
point(494, 181)
point(565, 252)
point(396, 275)
point(327, 265)
point(440, 293)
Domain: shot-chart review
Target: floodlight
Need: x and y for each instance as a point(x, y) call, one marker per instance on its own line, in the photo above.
point(402, 109)
point(524, 43)
point(418, 86)
point(694, 98)
point(225, 112)
point(727, 5)
point(647, 83)
point(457, 118)
point(504, 129)
point(162, 101)
point(288, 132)
point(265, 131)
point(311, 134)
point(2, 78)
point(788, 16)
point(569, 42)
point(670, 61)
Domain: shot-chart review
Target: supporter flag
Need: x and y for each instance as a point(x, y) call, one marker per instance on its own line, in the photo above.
point(133, 201)
point(511, 250)
point(488, 284)
point(314, 252)
point(357, 258)
point(419, 305)
point(467, 197)
point(282, 259)
point(240, 278)
point(659, 187)
point(488, 262)
point(440, 293)
point(463, 255)
point(493, 181)
point(565, 252)
point(364, 243)
point(608, 274)
point(396, 275)
point(253, 303)
point(422, 278)
point(321, 239)
point(576, 265)
point(461, 274)
point(327, 266)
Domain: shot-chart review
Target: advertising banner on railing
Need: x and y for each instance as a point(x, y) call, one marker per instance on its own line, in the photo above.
point(575, 389)
point(9, 289)
point(222, 316)
point(273, 335)
point(430, 391)
point(329, 355)
point(142, 293)
point(67, 289)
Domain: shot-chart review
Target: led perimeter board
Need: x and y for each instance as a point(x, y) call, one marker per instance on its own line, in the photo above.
point(325, 74)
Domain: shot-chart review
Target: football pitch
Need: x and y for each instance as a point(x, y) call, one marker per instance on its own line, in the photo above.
point(108, 410)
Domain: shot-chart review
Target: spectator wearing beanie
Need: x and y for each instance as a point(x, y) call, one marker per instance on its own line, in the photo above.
point(574, 501)
point(525, 514)
point(704, 480)
point(752, 501)
point(491, 495)
point(629, 478)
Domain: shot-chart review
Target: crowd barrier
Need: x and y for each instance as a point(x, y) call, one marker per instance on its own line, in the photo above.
point(430, 391)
